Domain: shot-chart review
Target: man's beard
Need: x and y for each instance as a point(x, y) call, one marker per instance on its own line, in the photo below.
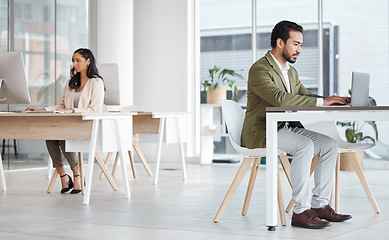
point(288, 57)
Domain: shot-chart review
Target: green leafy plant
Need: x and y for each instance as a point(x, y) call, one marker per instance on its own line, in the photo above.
point(354, 132)
point(218, 77)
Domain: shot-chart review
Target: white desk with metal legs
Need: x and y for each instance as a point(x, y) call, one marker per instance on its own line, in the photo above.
point(280, 114)
point(81, 130)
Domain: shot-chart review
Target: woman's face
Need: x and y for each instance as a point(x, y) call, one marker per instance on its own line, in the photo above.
point(79, 63)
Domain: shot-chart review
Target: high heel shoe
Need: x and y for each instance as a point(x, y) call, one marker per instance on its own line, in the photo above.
point(75, 191)
point(70, 184)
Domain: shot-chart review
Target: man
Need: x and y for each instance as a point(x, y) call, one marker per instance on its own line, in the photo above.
point(273, 83)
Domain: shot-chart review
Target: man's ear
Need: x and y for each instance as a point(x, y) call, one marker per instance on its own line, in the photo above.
point(280, 43)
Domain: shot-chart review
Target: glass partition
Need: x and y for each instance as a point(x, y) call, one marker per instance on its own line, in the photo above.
point(362, 46)
point(225, 35)
point(47, 33)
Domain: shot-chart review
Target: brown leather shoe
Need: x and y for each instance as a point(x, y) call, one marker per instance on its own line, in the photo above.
point(308, 219)
point(329, 214)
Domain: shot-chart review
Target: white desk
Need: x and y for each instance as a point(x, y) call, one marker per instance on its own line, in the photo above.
point(154, 123)
point(79, 127)
point(279, 114)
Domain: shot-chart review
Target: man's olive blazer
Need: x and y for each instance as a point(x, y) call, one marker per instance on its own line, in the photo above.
point(266, 88)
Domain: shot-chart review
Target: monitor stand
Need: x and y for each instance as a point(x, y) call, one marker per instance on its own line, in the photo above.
point(1, 84)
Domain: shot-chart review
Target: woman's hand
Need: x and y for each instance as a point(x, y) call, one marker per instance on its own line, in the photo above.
point(35, 109)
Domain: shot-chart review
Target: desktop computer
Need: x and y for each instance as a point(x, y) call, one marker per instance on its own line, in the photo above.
point(13, 80)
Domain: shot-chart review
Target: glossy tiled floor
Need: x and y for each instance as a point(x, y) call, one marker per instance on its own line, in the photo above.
point(174, 209)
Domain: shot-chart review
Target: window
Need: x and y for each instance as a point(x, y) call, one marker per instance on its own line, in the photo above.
point(47, 47)
point(355, 38)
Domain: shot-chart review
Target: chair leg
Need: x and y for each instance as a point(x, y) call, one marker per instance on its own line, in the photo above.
point(313, 165)
point(105, 170)
point(286, 166)
point(250, 187)
point(330, 201)
point(364, 183)
point(115, 164)
point(132, 164)
point(52, 181)
point(106, 162)
point(234, 186)
point(280, 200)
point(142, 158)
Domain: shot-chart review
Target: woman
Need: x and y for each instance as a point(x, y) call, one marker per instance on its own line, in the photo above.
point(84, 92)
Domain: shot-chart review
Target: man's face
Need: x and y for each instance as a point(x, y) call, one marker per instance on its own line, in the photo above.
point(292, 47)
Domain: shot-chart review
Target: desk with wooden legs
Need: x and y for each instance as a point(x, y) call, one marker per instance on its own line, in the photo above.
point(154, 123)
point(73, 127)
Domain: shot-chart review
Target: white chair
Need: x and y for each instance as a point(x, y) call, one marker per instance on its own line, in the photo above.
point(234, 116)
point(329, 128)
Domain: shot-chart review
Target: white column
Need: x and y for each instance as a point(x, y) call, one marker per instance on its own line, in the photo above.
point(114, 42)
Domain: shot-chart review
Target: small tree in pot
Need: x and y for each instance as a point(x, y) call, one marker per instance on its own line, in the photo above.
point(215, 84)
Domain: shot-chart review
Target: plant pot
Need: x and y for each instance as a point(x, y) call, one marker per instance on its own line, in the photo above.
point(345, 164)
point(216, 96)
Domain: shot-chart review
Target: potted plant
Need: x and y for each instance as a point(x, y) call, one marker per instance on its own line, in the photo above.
point(215, 84)
point(354, 134)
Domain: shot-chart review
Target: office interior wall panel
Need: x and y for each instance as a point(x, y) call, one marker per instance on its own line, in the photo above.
point(160, 55)
point(115, 42)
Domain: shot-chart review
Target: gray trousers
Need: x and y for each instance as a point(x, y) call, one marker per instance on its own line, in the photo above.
point(54, 148)
point(302, 144)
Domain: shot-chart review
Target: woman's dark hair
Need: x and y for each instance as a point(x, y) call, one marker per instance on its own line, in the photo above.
point(282, 29)
point(92, 72)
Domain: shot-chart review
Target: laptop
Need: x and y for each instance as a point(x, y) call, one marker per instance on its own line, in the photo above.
point(360, 89)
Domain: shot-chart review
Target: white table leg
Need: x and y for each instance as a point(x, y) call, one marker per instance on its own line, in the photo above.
point(160, 138)
point(181, 149)
point(2, 176)
point(91, 160)
point(123, 158)
point(271, 173)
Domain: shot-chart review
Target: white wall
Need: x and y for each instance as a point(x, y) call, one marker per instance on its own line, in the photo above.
point(164, 63)
point(114, 42)
point(160, 53)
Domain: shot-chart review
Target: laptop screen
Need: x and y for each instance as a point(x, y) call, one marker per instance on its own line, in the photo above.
point(360, 89)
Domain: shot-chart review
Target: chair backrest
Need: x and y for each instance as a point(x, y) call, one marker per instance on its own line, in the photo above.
point(233, 116)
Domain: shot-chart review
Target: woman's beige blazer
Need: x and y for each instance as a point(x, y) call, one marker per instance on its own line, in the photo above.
point(91, 98)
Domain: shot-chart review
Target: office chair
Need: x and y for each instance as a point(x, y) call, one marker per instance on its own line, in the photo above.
point(234, 116)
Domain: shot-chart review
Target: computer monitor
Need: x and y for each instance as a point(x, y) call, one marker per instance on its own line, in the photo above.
point(13, 80)
point(110, 74)
point(360, 89)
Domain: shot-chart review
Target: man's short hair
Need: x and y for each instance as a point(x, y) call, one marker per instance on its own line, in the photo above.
point(282, 29)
